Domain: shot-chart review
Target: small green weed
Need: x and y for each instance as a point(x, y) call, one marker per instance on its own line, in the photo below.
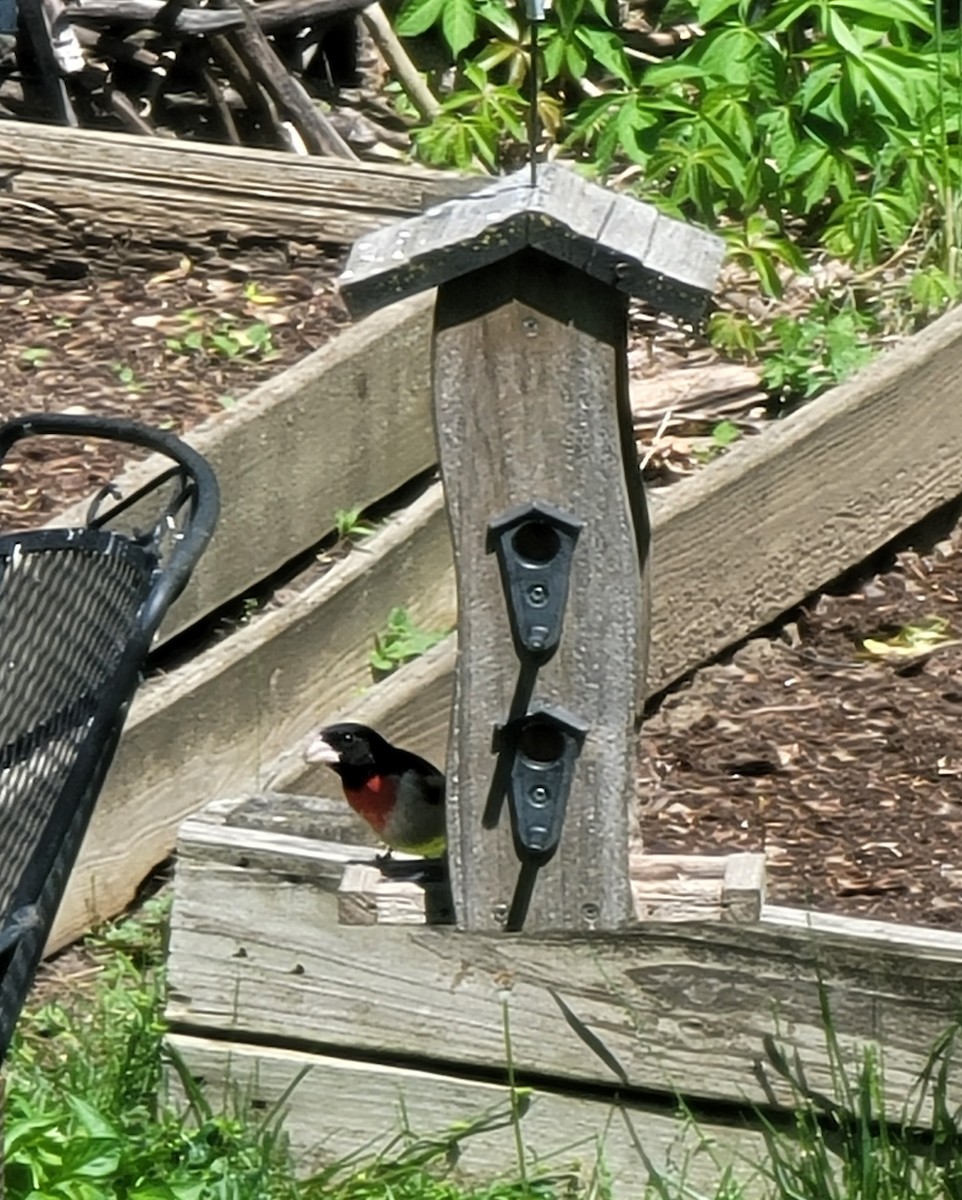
point(86, 1119)
point(918, 639)
point(806, 355)
point(349, 524)
point(400, 641)
point(723, 435)
point(222, 336)
point(35, 356)
point(127, 376)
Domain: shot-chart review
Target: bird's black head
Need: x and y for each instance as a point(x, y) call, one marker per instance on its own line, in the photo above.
point(347, 745)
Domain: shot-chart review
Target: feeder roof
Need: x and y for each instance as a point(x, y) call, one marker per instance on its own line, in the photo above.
point(616, 239)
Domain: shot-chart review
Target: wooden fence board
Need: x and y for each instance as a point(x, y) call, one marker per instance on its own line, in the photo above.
point(71, 193)
point(256, 953)
point(214, 725)
point(308, 442)
point(563, 1135)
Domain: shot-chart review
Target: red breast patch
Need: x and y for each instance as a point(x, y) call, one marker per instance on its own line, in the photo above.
point(375, 800)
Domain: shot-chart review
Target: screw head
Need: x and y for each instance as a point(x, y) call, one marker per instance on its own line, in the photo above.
point(539, 794)
point(537, 595)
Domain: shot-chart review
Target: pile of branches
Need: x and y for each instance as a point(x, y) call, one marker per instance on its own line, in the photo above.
point(301, 75)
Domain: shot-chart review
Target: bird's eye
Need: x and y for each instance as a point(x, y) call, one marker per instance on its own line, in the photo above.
point(348, 738)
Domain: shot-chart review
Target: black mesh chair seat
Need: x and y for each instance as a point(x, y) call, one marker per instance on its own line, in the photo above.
point(78, 611)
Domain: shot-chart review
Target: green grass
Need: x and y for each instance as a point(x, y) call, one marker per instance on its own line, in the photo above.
point(86, 1118)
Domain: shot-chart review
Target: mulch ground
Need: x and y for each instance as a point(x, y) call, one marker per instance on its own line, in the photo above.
point(167, 350)
point(842, 763)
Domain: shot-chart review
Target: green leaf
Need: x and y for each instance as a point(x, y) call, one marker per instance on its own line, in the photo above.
point(496, 14)
point(417, 16)
point(553, 57)
point(459, 24)
point(606, 46)
point(838, 32)
point(711, 10)
point(911, 11)
point(725, 432)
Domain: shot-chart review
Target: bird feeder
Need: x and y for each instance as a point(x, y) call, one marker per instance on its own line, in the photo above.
point(549, 524)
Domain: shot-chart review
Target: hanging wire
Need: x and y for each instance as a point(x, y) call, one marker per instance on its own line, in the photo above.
point(534, 11)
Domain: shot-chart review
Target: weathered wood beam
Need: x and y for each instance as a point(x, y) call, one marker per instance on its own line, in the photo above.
point(345, 402)
point(318, 134)
point(613, 238)
point(214, 725)
point(40, 19)
point(99, 199)
point(568, 1138)
point(685, 1009)
point(270, 16)
point(664, 887)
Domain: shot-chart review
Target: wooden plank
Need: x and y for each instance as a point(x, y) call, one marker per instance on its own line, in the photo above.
point(681, 1008)
point(211, 728)
point(751, 536)
point(693, 887)
point(664, 887)
point(367, 896)
point(566, 1136)
point(539, 418)
point(304, 444)
point(412, 708)
point(615, 239)
point(99, 198)
point(784, 513)
point(271, 16)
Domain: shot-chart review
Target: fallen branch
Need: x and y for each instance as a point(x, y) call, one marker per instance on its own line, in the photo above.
point(397, 59)
point(318, 134)
point(270, 16)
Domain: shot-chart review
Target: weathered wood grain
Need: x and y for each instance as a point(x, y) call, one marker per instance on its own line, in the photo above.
point(256, 953)
point(784, 513)
point(95, 199)
point(203, 22)
point(776, 518)
point(664, 887)
point(213, 727)
point(693, 887)
point(563, 1136)
point(538, 415)
point(412, 708)
point(612, 238)
point(366, 896)
point(304, 444)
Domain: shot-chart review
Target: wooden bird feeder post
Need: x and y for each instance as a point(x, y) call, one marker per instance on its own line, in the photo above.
point(549, 524)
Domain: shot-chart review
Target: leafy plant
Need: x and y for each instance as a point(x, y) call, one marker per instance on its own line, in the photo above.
point(86, 1117)
point(823, 122)
point(914, 640)
point(35, 356)
point(222, 337)
point(807, 354)
point(400, 641)
point(349, 524)
point(127, 376)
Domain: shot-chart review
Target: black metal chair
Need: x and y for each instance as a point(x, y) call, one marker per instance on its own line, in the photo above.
point(78, 610)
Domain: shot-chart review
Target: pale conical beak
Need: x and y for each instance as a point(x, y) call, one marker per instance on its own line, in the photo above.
point(320, 751)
